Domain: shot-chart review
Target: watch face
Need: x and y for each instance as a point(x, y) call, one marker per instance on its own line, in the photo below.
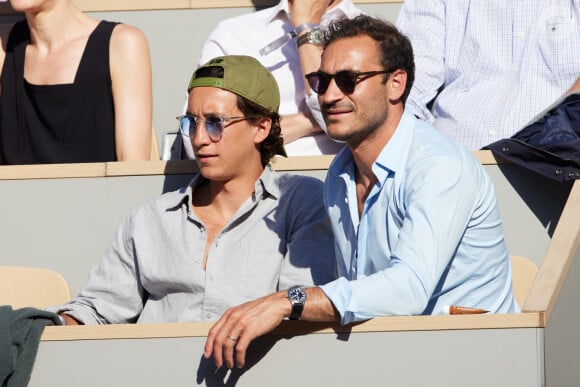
point(316, 36)
point(297, 295)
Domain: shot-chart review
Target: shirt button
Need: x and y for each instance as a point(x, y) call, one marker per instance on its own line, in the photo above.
point(492, 132)
point(521, 34)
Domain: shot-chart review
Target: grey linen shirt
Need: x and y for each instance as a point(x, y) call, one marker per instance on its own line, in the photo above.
point(152, 271)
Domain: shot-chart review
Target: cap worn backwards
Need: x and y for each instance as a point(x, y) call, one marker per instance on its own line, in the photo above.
point(242, 75)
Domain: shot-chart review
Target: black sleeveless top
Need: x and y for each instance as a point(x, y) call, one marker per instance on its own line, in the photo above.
point(65, 123)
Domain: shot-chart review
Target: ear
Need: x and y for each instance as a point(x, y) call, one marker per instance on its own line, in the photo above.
point(398, 81)
point(263, 126)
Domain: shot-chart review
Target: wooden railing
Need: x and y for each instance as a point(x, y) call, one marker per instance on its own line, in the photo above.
point(138, 168)
point(141, 5)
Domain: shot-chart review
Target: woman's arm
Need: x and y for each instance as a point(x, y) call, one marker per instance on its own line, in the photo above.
point(132, 92)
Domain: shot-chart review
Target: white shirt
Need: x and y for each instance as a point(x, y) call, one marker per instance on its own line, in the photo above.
point(489, 67)
point(247, 34)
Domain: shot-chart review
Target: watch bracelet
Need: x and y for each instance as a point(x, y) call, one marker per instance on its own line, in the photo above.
point(305, 39)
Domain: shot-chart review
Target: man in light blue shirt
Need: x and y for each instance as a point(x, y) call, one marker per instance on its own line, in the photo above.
point(414, 215)
point(485, 69)
point(429, 233)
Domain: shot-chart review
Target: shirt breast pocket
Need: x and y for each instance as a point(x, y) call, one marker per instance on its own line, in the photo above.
point(559, 45)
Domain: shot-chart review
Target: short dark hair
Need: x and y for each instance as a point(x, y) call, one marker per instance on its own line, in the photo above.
point(269, 147)
point(396, 51)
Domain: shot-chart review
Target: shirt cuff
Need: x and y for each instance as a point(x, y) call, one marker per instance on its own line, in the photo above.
point(339, 292)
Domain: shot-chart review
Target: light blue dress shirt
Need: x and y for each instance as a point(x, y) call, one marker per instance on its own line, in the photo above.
point(430, 233)
point(489, 66)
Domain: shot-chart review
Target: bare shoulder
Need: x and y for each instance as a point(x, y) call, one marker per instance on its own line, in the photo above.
point(129, 50)
point(126, 37)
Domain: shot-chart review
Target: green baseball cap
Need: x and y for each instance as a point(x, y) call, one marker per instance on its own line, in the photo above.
point(242, 75)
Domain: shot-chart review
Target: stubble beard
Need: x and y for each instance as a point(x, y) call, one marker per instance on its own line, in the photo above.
point(368, 126)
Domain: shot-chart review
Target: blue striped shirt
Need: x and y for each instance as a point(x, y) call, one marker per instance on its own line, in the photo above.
point(489, 66)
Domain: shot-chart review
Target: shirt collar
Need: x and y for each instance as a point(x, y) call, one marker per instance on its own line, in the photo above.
point(267, 184)
point(343, 163)
point(392, 157)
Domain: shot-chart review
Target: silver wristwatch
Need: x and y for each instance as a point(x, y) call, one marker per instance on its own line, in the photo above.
point(314, 36)
point(297, 297)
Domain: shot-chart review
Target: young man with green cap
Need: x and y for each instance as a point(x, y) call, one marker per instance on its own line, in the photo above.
point(238, 231)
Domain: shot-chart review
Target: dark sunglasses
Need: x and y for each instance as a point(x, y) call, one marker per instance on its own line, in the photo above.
point(345, 80)
point(213, 125)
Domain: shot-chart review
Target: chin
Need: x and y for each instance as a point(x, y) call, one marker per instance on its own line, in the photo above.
point(212, 173)
point(337, 134)
point(24, 5)
point(206, 171)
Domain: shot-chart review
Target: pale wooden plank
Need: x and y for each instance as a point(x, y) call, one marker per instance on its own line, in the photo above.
point(420, 323)
point(157, 167)
point(301, 163)
point(130, 5)
point(382, 324)
point(304, 163)
point(51, 171)
point(150, 5)
point(558, 257)
point(264, 3)
point(486, 157)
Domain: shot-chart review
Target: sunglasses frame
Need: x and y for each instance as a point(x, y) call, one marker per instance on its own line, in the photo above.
point(339, 78)
point(213, 134)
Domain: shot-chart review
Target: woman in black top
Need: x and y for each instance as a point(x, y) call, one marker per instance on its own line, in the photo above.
point(72, 89)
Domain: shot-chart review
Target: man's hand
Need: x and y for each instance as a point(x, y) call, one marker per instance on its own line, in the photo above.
point(69, 320)
point(307, 11)
point(230, 336)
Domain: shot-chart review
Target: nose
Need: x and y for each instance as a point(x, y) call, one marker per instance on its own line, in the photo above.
point(200, 137)
point(332, 93)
